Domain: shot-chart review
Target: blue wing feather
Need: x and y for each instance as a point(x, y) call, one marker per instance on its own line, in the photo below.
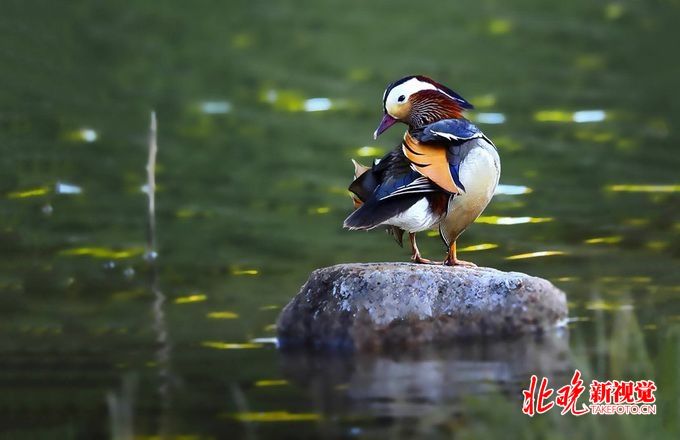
point(456, 177)
point(409, 183)
point(447, 131)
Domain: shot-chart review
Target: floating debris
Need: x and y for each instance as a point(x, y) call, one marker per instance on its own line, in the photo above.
point(59, 188)
point(590, 61)
point(632, 279)
point(535, 255)
point(215, 107)
point(565, 116)
point(484, 101)
point(320, 210)
point(286, 100)
point(589, 116)
point(270, 307)
point(195, 297)
point(595, 136)
point(242, 40)
point(266, 341)
point(613, 11)
point(294, 101)
point(579, 319)
point(318, 104)
point(126, 295)
point(607, 306)
point(87, 134)
point(499, 26)
point(186, 213)
point(67, 188)
point(656, 245)
point(489, 118)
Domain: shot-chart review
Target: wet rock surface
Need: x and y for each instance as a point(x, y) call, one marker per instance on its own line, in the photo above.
point(371, 306)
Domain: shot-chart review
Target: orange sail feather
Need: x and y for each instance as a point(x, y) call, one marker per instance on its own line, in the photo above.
point(431, 162)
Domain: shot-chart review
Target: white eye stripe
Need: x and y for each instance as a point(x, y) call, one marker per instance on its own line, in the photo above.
point(407, 89)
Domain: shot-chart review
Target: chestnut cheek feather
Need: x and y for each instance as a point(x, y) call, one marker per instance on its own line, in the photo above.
point(431, 106)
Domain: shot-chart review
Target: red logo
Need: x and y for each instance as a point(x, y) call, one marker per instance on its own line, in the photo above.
point(610, 397)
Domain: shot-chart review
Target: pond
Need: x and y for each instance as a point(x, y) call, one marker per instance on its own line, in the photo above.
point(260, 108)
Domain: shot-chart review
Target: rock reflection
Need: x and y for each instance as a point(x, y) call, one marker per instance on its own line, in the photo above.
point(412, 383)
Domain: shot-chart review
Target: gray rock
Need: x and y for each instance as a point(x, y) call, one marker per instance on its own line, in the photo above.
point(372, 306)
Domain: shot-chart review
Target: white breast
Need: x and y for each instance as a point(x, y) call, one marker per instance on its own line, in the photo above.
point(479, 173)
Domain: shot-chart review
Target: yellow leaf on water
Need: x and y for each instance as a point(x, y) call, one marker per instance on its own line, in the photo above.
point(271, 382)
point(604, 240)
point(196, 297)
point(245, 272)
point(33, 192)
point(535, 255)
point(499, 26)
point(104, 252)
point(270, 307)
point(478, 247)
point(222, 315)
point(230, 345)
point(275, 416)
point(369, 151)
point(644, 188)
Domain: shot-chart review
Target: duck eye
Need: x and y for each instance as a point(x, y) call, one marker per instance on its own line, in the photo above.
point(401, 98)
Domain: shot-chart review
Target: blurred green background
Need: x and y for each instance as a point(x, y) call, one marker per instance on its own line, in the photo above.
point(261, 105)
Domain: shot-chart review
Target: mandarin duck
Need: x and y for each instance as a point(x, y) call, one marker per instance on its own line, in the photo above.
point(442, 175)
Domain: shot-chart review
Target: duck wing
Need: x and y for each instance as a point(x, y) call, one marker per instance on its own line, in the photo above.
point(435, 152)
point(389, 188)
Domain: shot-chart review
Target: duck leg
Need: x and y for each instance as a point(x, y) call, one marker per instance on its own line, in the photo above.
point(415, 257)
point(452, 260)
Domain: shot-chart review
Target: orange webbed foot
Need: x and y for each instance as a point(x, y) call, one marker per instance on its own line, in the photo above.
point(420, 260)
point(415, 257)
point(452, 260)
point(457, 262)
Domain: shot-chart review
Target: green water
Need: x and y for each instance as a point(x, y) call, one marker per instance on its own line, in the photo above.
point(583, 101)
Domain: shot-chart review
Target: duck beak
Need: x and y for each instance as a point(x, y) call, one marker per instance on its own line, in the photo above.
point(387, 122)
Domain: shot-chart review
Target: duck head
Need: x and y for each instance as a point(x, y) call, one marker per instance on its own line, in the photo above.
point(417, 100)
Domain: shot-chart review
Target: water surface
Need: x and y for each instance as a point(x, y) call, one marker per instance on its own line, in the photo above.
point(260, 107)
